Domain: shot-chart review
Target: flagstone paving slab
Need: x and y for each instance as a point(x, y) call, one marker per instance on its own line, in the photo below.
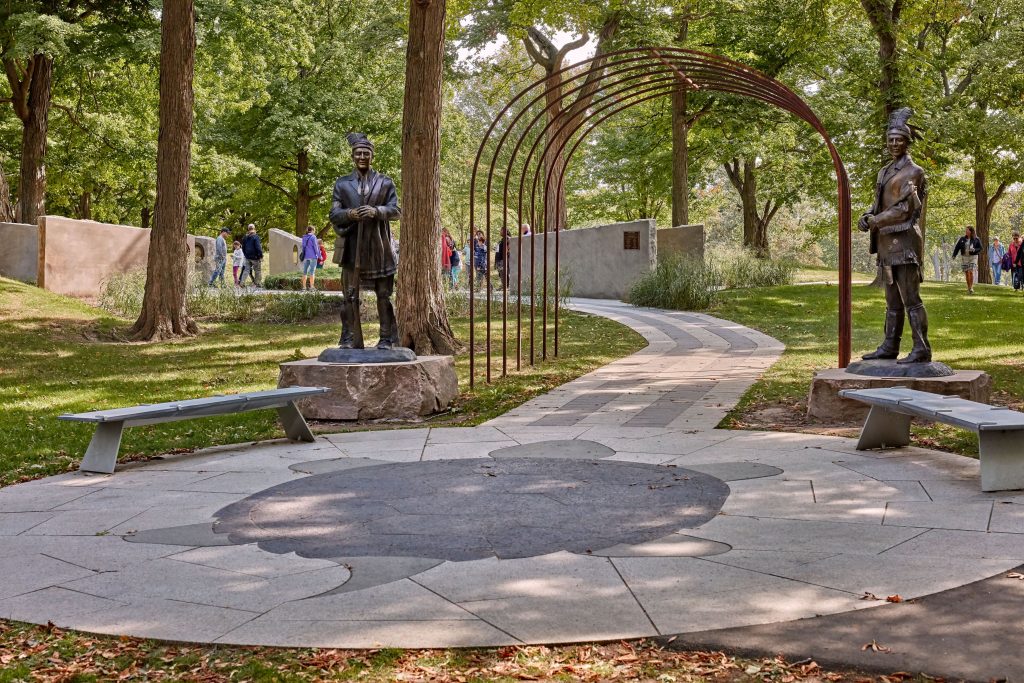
point(611, 507)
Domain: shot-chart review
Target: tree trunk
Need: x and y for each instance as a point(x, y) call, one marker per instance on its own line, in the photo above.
point(84, 209)
point(681, 143)
point(419, 305)
point(884, 19)
point(680, 159)
point(555, 215)
point(983, 207)
point(302, 195)
point(755, 226)
point(163, 306)
point(6, 210)
point(35, 119)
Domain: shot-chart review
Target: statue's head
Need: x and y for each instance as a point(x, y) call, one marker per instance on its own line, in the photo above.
point(898, 133)
point(362, 150)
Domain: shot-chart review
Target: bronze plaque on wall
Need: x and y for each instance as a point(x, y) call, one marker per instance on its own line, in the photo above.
point(630, 240)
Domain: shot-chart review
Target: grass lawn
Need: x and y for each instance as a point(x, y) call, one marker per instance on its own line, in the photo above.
point(979, 332)
point(61, 355)
point(808, 274)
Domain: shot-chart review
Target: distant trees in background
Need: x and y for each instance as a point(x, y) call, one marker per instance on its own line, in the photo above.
point(279, 82)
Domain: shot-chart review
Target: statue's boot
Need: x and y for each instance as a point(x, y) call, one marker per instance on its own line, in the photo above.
point(388, 325)
point(922, 351)
point(347, 340)
point(890, 346)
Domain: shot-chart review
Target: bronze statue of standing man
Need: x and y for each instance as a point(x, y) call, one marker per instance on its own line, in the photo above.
point(894, 223)
point(364, 202)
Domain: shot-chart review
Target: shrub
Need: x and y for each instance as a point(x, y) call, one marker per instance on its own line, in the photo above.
point(328, 279)
point(122, 295)
point(746, 270)
point(682, 283)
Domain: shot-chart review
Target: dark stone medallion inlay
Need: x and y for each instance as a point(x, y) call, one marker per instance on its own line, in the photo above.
point(474, 508)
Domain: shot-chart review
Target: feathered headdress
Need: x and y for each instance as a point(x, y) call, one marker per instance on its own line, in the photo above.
point(356, 140)
point(898, 124)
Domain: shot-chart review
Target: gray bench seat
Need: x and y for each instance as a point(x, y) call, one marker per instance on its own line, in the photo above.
point(1000, 430)
point(101, 455)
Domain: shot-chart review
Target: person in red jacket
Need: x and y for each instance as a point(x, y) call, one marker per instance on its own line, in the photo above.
point(447, 244)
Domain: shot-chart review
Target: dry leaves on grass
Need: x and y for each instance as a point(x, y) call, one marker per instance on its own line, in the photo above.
point(874, 646)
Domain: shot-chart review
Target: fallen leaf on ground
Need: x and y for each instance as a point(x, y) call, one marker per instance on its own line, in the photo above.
point(894, 598)
point(874, 646)
point(1015, 575)
point(869, 596)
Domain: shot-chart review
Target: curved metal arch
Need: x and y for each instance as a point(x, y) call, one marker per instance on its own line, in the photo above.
point(692, 70)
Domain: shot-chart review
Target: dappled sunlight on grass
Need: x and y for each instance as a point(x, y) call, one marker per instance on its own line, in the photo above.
point(966, 332)
point(61, 355)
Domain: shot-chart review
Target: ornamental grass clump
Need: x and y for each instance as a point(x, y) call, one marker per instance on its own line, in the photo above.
point(681, 283)
point(746, 270)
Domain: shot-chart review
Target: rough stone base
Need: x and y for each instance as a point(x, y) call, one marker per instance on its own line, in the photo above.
point(824, 401)
point(373, 391)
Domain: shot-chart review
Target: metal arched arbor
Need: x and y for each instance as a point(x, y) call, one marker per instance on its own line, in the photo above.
point(521, 137)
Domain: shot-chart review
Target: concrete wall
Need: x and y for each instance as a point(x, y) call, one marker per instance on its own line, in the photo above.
point(284, 252)
point(19, 251)
point(682, 239)
point(76, 257)
point(594, 261)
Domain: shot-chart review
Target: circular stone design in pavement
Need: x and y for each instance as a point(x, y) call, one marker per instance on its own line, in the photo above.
point(474, 508)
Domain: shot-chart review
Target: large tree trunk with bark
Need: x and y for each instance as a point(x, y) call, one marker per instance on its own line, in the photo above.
point(983, 207)
point(31, 90)
point(163, 307)
point(302, 194)
point(419, 302)
point(680, 159)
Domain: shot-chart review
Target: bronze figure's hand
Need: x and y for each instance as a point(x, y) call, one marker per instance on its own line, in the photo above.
point(864, 224)
point(367, 212)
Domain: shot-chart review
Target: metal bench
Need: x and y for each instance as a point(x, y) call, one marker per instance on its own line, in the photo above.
point(1000, 441)
point(101, 455)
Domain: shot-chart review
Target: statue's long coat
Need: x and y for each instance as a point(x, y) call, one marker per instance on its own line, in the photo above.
point(898, 240)
point(375, 257)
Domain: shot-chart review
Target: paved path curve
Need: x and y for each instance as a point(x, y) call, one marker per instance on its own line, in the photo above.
point(517, 531)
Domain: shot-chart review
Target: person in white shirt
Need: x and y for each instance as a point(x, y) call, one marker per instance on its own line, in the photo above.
point(237, 260)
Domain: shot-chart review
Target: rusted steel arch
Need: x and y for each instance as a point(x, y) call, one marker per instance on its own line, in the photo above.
point(692, 70)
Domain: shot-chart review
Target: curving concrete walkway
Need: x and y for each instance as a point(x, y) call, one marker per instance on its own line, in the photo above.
point(609, 508)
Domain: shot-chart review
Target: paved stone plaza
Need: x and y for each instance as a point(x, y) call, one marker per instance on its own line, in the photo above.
point(608, 508)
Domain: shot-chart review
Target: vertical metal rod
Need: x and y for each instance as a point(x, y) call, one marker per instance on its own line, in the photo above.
point(710, 72)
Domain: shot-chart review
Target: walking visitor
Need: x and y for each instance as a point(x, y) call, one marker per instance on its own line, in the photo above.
point(968, 247)
point(220, 257)
point(996, 252)
point(480, 257)
point(447, 246)
point(456, 266)
point(237, 260)
point(323, 255)
point(309, 255)
point(252, 248)
point(1016, 274)
point(501, 257)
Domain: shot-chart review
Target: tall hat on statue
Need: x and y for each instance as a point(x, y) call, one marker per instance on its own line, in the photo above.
point(357, 140)
point(898, 124)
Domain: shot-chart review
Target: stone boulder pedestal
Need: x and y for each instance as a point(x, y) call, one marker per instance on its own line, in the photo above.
point(824, 401)
point(374, 391)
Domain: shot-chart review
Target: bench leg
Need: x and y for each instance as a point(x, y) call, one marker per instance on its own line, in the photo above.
point(884, 428)
point(101, 455)
point(1002, 460)
point(295, 426)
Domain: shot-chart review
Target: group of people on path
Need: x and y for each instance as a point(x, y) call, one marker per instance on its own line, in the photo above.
point(453, 258)
point(1011, 260)
point(247, 258)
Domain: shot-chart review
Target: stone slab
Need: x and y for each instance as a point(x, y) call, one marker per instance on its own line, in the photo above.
point(825, 403)
point(890, 368)
point(374, 391)
point(398, 354)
